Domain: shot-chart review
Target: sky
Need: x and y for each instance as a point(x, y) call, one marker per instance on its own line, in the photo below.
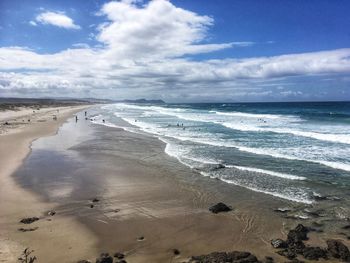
point(178, 51)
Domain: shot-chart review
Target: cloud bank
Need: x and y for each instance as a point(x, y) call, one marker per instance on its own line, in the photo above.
point(148, 50)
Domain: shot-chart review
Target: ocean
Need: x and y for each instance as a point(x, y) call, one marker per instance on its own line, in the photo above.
point(294, 151)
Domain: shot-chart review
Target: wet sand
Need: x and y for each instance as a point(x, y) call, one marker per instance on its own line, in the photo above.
point(17, 202)
point(142, 192)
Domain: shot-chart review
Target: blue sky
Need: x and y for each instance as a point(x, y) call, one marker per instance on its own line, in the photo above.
point(177, 51)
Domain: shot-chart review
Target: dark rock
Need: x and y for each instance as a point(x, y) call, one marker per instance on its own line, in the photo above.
point(220, 257)
point(29, 220)
point(27, 229)
point(217, 167)
point(119, 255)
point(288, 253)
point(314, 253)
point(176, 252)
point(91, 206)
point(104, 258)
point(297, 234)
point(84, 261)
point(141, 238)
point(219, 207)
point(346, 227)
point(95, 200)
point(338, 250)
point(278, 243)
point(121, 261)
point(269, 260)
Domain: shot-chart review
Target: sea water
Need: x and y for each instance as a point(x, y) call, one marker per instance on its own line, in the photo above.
point(294, 151)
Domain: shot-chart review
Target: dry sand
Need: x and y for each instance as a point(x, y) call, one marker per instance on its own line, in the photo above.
point(17, 203)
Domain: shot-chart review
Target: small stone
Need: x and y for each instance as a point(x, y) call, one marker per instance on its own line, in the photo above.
point(176, 252)
point(29, 220)
point(27, 229)
point(95, 200)
point(119, 255)
point(51, 213)
point(91, 206)
point(141, 238)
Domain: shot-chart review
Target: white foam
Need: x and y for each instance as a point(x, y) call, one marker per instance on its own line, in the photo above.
point(335, 165)
point(330, 137)
point(150, 128)
point(272, 173)
point(248, 115)
point(299, 199)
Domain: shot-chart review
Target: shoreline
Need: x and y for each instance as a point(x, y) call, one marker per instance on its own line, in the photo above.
point(17, 202)
point(141, 192)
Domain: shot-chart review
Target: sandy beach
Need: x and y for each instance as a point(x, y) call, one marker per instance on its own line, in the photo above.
point(16, 202)
point(116, 191)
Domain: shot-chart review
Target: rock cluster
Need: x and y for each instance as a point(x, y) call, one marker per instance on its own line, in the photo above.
point(294, 246)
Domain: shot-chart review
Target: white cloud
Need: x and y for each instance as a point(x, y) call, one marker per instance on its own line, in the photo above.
point(33, 23)
point(146, 51)
point(58, 19)
point(155, 30)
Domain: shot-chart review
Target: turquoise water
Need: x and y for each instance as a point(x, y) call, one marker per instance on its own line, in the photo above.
point(294, 151)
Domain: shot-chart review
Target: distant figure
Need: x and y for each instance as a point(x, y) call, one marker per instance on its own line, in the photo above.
point(182, 124)
point(177, 125)
point(86, 118)
point(54, 118)
point(184, 128)
point(85, 113)
point(135, 120)
point(103, 121)
point(76, 118)
point(28, 120)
